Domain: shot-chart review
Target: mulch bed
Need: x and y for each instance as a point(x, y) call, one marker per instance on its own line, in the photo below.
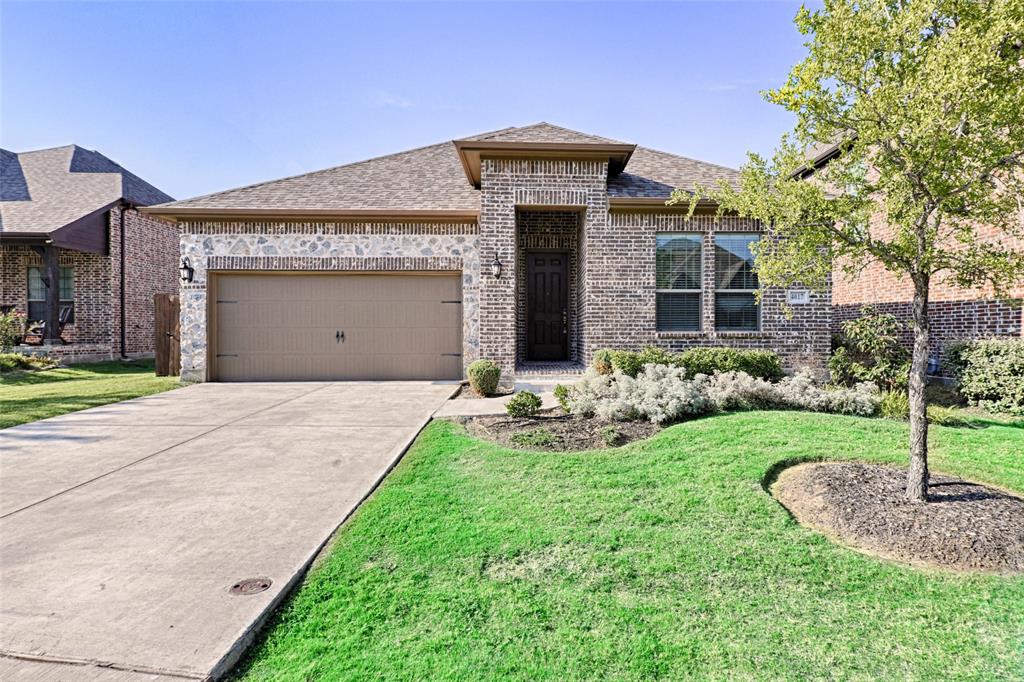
point(964, 526)
point(568, 433)
point(467, 393)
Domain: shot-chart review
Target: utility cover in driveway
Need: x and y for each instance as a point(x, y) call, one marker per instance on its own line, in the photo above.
point(302, 327)
point(124, 527)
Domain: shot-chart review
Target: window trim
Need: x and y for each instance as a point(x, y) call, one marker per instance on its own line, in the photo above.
point(699, 292)
point(718, 290)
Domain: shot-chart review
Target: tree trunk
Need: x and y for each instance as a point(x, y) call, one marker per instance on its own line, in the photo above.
point(917, 477)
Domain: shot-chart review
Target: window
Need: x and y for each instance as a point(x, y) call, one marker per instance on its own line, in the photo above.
point(735, 283)
point(37, 292)
point(678, 281)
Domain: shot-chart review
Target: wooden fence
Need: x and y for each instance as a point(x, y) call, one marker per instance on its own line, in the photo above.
point(167, 330)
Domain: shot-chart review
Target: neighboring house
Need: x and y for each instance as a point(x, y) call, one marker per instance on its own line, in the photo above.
point(955, 313)
point(72, 211)
point(530, 246)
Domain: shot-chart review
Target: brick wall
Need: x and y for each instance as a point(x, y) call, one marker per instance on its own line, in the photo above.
point(152, 266)
point(799, 333)
point(508, 185)
point(91, 287)
point(955, 312)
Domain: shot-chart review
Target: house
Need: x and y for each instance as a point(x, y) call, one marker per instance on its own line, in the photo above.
point(69, 216)
point(955, 313)
point(531, 246)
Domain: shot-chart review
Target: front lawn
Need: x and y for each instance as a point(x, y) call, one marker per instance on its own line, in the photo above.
point(28, 396)
point(663, 559)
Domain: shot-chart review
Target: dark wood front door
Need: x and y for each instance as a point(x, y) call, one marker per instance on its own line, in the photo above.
point(547, 306)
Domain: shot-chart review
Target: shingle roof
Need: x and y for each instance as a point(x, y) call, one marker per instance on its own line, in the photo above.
point(44, 190)
point(428, 178)
point(540, 132)
point(432, 179)
point(653, 174)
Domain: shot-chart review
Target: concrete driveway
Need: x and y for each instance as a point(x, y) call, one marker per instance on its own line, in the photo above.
point(123, 527)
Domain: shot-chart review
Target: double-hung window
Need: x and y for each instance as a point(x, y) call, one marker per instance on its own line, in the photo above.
point(679, 264)
point(736, 283)
point(37, 292)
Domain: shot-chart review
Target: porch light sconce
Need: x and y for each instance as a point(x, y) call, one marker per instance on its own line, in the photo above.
point(186, 270)
point(496, 267)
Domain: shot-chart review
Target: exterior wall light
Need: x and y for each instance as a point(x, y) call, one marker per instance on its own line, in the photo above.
point(186, 270)
point(496, 267)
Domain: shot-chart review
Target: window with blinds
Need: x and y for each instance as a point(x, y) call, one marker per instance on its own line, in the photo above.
point(679, 259)
point(37, 292)
point(736, 283)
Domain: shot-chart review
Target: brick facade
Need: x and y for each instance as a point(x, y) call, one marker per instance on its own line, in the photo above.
point(955, 313)
point(151, 266)
point(551, 204)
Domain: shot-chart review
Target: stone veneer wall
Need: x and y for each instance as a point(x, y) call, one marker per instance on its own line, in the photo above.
point(510, 184)
point(621, 285)
point(547, 231)
point(319, 247)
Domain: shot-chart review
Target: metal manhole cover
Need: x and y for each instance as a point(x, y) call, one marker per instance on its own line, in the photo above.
point(250, 586)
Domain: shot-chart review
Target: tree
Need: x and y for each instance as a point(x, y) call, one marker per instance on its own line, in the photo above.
point(925, 100)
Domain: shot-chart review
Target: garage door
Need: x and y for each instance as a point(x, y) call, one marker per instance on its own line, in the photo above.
point(329, 327)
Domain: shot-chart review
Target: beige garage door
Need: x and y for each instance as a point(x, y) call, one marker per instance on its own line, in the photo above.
point(327, 327)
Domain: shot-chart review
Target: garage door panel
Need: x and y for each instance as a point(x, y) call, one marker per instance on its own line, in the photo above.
point(286, 327)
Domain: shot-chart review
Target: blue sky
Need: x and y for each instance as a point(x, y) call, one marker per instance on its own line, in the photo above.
point(200, 97)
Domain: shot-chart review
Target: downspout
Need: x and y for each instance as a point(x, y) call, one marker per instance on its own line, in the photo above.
point(124, 315)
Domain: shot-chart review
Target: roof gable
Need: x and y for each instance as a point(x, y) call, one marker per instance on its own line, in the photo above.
point(432, 181)
point(47, 189)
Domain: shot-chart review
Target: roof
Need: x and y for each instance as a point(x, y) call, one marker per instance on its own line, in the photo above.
point(42, 191)
point(652, 174)
point(540, 132)
point(436, 181)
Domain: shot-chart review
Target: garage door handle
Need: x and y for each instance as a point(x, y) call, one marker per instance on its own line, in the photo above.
point(339, 337)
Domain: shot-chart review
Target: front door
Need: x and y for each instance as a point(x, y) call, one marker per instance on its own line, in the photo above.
point(547, 306)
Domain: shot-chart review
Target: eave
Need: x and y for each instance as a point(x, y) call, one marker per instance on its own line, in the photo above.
point(171, 212)
point(87, 233)
point(471, 152)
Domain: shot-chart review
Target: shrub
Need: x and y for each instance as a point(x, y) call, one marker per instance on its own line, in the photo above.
point(603, 361)
point(895, 405)
point(523, 404)
point(562, 396)
point(663, 394)
point(484, 376)
point(992, 374)
point(764, 364)
point(12, 327)
point(610, 435)
point(947, 416)
point(870, 350)
point(14, 361)
point(626, 361)
point(535, 438)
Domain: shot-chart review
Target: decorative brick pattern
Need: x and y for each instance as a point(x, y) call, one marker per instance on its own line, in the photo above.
point(546, 231)
point(206, 227)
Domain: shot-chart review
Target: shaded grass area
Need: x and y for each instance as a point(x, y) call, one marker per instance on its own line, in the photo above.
point(28, 396)
point(664, 559)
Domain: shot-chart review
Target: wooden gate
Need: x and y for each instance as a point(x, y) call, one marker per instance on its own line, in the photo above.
point(167, 332)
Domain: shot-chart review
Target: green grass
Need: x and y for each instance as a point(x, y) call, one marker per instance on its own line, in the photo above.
point(28, 396)
point(664, 559)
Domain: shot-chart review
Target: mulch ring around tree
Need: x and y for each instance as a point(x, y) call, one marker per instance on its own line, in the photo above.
point(964, 526)
point(557, 431)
